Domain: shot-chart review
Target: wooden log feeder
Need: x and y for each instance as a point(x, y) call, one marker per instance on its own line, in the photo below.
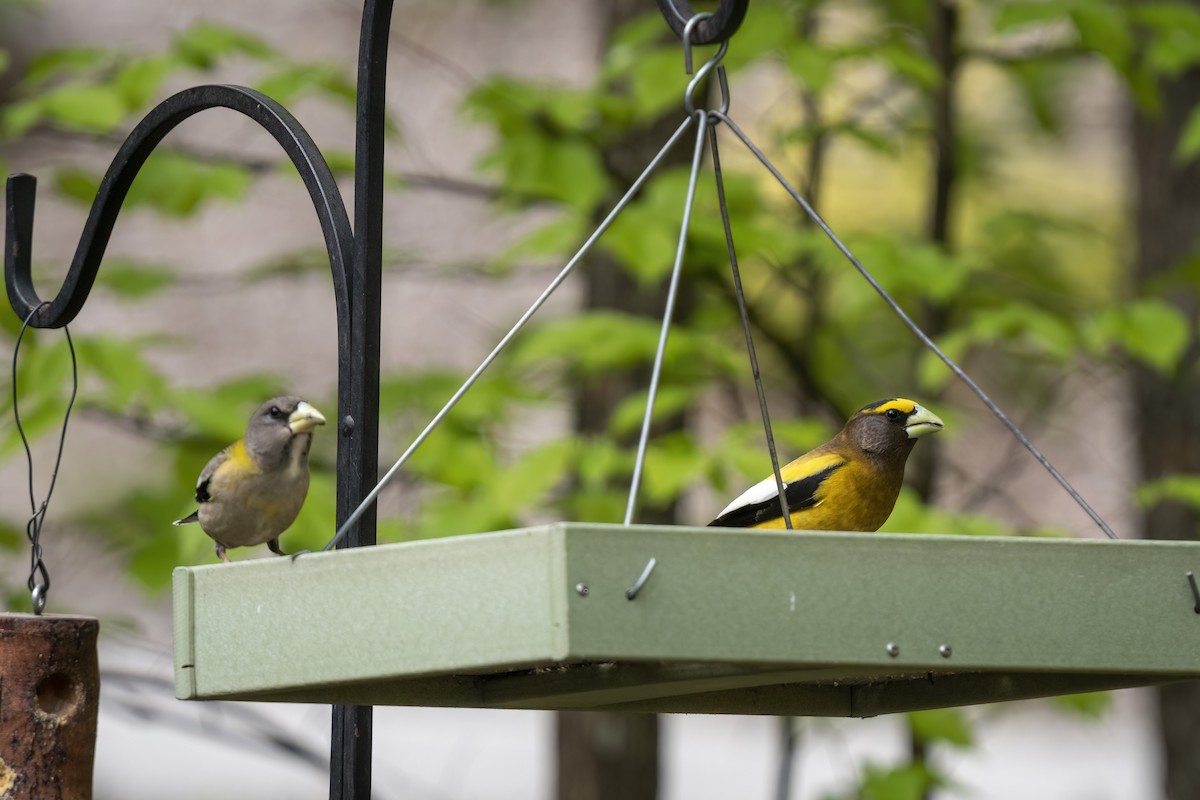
point(49, 700)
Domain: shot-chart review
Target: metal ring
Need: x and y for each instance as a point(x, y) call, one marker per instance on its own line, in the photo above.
point(723, 23)
point(39, 599)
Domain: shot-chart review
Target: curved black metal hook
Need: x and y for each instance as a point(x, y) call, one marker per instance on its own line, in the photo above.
point(274, 118)
point(723, 23)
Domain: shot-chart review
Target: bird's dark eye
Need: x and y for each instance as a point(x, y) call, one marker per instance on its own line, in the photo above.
point(893, 414)
point(274, 412)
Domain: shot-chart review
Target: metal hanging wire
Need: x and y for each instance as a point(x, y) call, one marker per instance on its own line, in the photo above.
point(744, 315)
point(508, 337)
point(916, 329)
point(706, 121)
point(39, 575)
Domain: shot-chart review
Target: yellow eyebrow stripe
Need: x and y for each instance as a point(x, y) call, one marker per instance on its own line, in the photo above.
point(900, 404)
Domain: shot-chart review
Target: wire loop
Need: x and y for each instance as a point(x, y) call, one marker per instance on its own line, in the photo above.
point(705, 70)
point(717, 26)
point(39, 576)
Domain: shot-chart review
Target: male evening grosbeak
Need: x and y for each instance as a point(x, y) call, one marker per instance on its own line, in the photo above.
point(850, 483)
point(250, 492)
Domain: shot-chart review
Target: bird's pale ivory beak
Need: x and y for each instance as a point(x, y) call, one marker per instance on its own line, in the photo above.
point(922, 421)
point(305, 418)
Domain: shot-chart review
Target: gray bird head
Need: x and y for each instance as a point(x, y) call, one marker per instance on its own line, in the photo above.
point(272, 428)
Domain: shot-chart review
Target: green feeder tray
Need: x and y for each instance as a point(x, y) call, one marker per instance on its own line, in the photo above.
point(721, 621)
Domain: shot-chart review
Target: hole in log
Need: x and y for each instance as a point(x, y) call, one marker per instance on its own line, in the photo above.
point(57, 695)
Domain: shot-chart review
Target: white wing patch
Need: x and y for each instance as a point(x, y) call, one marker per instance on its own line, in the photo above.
point(758, 493)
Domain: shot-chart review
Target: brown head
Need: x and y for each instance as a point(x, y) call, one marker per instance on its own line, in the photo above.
point(888, 429)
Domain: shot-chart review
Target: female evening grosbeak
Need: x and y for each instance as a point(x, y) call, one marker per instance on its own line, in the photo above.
point(850, 483)
point(250, 492)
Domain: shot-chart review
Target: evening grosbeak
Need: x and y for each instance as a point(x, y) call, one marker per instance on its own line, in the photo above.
point(250, 492)
point(850, 483)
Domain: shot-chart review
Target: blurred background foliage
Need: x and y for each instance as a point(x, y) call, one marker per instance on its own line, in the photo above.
point(913, 126)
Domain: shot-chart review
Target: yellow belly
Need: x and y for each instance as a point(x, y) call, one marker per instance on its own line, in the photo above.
point(855, 498)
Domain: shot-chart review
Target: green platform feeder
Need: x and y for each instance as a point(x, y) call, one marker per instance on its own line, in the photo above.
point(726, 621)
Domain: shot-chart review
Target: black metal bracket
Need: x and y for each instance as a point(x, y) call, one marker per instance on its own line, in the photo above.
point(716, 29)
point(355, 259)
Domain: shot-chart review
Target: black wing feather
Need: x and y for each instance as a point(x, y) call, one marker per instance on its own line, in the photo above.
point(800, 494)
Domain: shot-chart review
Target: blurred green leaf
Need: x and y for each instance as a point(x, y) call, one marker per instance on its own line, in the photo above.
point(1180, 488)
point(1104, 27)
point(205, 43)
point(134, 280)
point(1172, 35)
point(140, 81)
point(129, 377)
point(293, 81)
point(74, 106)
point(171, 183)
point(671, 399)
point(1189, 140)
point(520, 486)
point(1091, 705)
point(1150, 330)
point(912, 516)
point(11, 537)
point(947, 725)
point(905, 782)
point(596, 342)
point(673, 465)
point(1017, 14)
point(69, 61)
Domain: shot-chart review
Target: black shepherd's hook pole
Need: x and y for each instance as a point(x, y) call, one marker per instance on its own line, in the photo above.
point(358, 452)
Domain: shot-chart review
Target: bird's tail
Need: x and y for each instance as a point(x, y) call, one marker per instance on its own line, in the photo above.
point(190, 518)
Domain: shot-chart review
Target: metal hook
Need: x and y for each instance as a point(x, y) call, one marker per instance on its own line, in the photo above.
point(705, 68)
point(632, 591)
point(688, 30)
point(1195, 592)
point(702, 73)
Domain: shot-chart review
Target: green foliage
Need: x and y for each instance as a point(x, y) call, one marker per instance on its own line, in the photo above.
point(1018, 284)
point(133, 280)
point(1183, 489)
point(901, 782)
point(1150, 331)
point(1090, 705)
point(947, 725)
point(102, 91)
point(205, 44)
point(171, 183)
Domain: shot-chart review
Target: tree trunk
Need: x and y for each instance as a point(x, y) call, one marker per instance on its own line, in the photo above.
point(604, 754)
point(1167, 196)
